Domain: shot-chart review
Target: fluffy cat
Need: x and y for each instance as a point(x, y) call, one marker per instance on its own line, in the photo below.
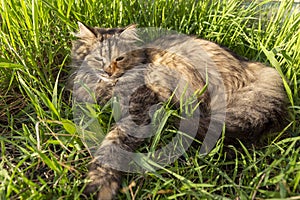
point(108, 62)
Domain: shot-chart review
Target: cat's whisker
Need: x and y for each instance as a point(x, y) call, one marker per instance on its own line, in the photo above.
point(106, 79)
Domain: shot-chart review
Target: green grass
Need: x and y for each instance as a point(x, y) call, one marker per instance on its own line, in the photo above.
point(42, 155)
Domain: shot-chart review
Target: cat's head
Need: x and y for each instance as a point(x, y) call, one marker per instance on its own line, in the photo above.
point(94, 50)
point(102, 45)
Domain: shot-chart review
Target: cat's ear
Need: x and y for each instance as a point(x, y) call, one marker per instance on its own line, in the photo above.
point(130, 32)
point(84, 31)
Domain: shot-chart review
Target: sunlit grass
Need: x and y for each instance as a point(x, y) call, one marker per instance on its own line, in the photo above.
point(43, 157)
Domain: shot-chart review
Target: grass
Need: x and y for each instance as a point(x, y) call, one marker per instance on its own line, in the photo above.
point(42, 155)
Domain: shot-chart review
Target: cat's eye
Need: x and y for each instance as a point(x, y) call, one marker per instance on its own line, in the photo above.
point(99, 59)
point(119, 58)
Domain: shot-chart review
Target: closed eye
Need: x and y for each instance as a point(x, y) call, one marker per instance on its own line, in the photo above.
point(99, 59)
point(119, 58)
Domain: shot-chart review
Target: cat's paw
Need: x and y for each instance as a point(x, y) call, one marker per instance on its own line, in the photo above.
point(103, 182)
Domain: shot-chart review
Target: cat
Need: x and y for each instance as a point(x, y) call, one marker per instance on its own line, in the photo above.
point(109, 62)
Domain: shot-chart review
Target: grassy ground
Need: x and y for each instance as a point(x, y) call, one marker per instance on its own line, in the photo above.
point(42, 157)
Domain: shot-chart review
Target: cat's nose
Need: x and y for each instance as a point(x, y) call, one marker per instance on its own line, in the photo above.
point(110, 69)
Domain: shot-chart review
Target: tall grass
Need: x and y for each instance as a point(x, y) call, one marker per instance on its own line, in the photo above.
point(42, 155)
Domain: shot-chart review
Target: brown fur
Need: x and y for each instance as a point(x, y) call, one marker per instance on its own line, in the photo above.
point(254, 94)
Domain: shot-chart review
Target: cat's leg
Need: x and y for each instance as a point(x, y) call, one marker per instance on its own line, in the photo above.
point(103, 180)
point(258, 108)
point(104, 174)
point(114, 154)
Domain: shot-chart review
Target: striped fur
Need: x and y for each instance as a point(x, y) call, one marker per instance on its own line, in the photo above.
point(255, 99)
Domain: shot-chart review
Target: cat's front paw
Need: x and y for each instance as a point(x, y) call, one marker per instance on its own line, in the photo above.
point(104, 182)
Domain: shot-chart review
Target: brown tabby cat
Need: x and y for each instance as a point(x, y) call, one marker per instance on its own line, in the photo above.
point(108, 62)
